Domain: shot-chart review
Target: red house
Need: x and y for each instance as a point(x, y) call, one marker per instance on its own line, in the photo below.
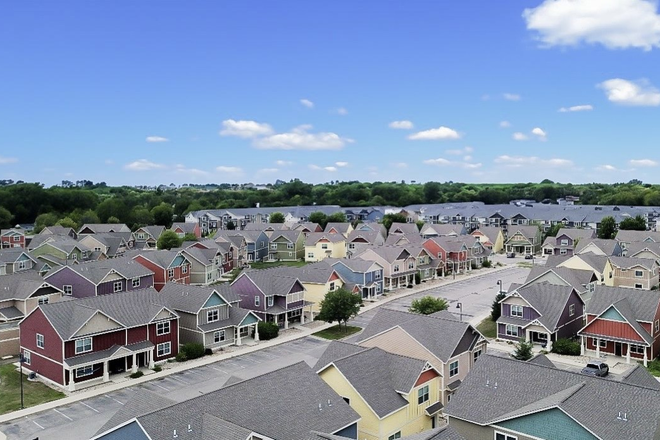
point(182, 229)
point(453, 253)
point(12, 238)
point(167, 266)
point(87, 340)
point(622, 322)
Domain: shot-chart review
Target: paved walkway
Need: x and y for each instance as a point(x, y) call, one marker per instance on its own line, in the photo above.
point(301, 332)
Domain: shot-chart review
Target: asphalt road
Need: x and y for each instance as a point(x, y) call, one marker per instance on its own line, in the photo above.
point(82, 419)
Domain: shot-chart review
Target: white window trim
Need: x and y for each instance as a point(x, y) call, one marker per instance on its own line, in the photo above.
point(68, 287)
point(170, 273)
point(270, 301)
point(27, 357)
point(511, 327)
point(135, 282)
point(219, 336)
point(457, 368)
point(423, 392)
point(640, 272)
point(571, 310)
point(212, 315)
point(167, 344)
point(257, 301)
point(516, 306)
point(82, 371)
point(506, 436)
point(114, 286)
point(601, 342)
point(162, 326)
point(82, 347)
point(43, 341)
point(184, 268)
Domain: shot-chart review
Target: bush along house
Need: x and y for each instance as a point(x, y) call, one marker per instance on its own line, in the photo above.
point(86, 340)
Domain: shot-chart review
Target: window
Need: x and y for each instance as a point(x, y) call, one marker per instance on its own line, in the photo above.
point(273, 246)
point(476, 355)
point(209, 276)
point(396, 268)
point(85, 371)
point(184, 268)
point(638, 286)
point(40, 340)
point(212, 315)
point(324, 246)
point(332, 286)
point(17, 238)
point(74, 257)
point(289, 245)
point(135, 282)
point(511, 330)
point(639, 274)
point(423, 395)
point(517, 311)
point(117, 286)
point(97, 249)
point(83, 345)
point(351, 246)
point(170, 273)
point(219, 336)
point(657, 325)
point(163, 328)
point(394, 436)
point(164, 349)
point(603, 343)
point(563, 242)
point(571, 310)
point(43, 300)
point(639, 349)
point(140, 236)
point(502, 436)
point(563, 252)
point(21, 265)
point(251, 258)
point(27, 357)
point(378, 288)
point(377, 275)
point(257, 301)
point(453, 369)
point(310, 254)
point(411, 264)
point(270, 301)
point(68, 289)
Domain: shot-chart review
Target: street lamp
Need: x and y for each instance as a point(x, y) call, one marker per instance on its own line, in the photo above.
point(21, 359)
point(460, 306)
point(499, 287)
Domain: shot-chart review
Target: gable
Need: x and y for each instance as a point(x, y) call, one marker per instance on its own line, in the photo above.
point(613, 314)
point(250, 318)
point(215, 300)
point(178, 261)
point(551, 278)
point(297, 287)
point(98, 323)
point(552, 424)
point(132, 431)
point(398, 341)
point(112, 276)
point(163, 314)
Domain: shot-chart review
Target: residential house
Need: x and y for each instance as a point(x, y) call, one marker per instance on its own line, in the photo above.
point(306, 227)
point(403, 229)
point(318, 279)
point(146, 237)
point(183, 228)
point(442, 230)
point(599, 246)
point(339, 228)
point(453, 253)
point(100, 228)
point(12, 238)
point(396, 396)
point(239, 247)
point(637, 273)
point(540, 313)
point(427, 265)
point(589, 261)
point(210, 315)
point(226, 256)
point(358, 238)
point(87, 340)
point(360, 276)
point(287, 246)
point(110, 244)
point(626, 237)
point(523, 240)
point(372, 226)
point(451, 346)
point(167, 266)
point(277, 410)
point(19, 295)
point(477, 252)
point(565, 241)
point(205, 263)
point(491, 237)
point(321, 245)
point(59, 230)
point(403, 239)
point(399, 266)
point(622, 322)
point(101, 277)
point(61, 250)
point(257, 245)
point(15, 260)
point(583, 281)
point(268, 228)
point(643, 250)
point(506, 399)
point(273, 294)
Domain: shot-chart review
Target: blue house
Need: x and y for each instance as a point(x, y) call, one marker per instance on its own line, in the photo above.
point(257, 244)
point(360, 276)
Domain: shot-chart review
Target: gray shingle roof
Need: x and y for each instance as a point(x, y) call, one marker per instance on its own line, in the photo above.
point(20, 285)
point(314, 237)
point(575, 233)
point(640, 376)
point(576, 278)
point(636, 247)
point(630, 262)
point(10, 255)
point(444, 433)
point(593, 402)
point(355, 264)
point(542, 359)
point(104, 227)
point(637, 236)
point(404, 228)
point(608, 247)
point(291, 236)
point(336, 350)
point(547, 299)
point(643, 303)
point(190, 298)
point(142, 402)
point(342, 228)
point(187, 228)
point(96, 271)
point(388, 253)
point(10, 313)
point(374, 237)
point(273, 281)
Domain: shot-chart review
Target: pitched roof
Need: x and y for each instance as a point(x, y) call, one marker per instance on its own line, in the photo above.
point(96, 271)
point(643, 303)
point(456, 338)
point(630, 262)
point(273, 281)
point(314, 237)
point(21, 285)
point(529, 232)
point(355, 264)
point(292, 236)
point(190, 298)
point(447, 432)
point(10, 255)
point(336, 350)
point(548, 300)
point(627, 236)
point(576, 278)
point(141, 403)
point(404, 228)
point(105, 227)
point(591, 401)
point(640, 376)
point(638, 247)
point(542, 359)
point(388, 253)
point(186, 227)
point(490, 231)
point(608, 247)
point(162, 257)
point(368, 236)
point(574, 233)
point(342, 228)
point(442, 229)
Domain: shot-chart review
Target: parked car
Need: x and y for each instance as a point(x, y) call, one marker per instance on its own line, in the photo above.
point(600, 369)
point(511, 255)
point(529, 257)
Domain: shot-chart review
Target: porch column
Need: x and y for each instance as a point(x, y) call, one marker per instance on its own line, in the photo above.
point(628, 355)
point(597, 347)
point(134, 367)
point(286, 320)
point(256, 332)
point(582, 347)
point(238, 336)
point(646, 358)
point(302, 316)
point(72, 383)
point(549, 345)
point(106, 372)
point(528, 336)
point(150, 356)
point(390, 283)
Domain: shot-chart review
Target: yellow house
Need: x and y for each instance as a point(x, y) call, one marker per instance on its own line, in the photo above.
point(318, 279)
point(322, 245)
point(344, 229)
point(636, 273)
point(491, 237)
point(394, 395)
point(587, 261)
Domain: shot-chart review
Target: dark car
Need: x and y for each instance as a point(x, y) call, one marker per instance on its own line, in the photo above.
point(529, 257)
point(600, 369)
point(511, 255)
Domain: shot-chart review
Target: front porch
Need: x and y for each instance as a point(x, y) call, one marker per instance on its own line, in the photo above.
point(400, 280)
point(600, 346)
point(283, 318)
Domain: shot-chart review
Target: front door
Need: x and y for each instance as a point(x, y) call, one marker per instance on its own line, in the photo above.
point(617, 348)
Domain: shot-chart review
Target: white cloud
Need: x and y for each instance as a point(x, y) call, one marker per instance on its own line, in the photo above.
point(143, 165)
point(6, 160)
point(307, 103)
point(283, 163)
point(300, 139)
point(318, 168)
point(577, 108)
point(440, 133)
point(459, 152)
point(400, 165)
point(520, 161)
point(441, 161)
point(518, 136)
point(245, 129)
point(542, 135)
point(341, 111)
point(467, 158)
point(633, 93)
point(157, 139)
point(268, 170)
point(511, 96)
point(643, 163)
point(505, 124)
point(606, 168)
point(616, 24)
point(182, 169)
point(401, 125)
point(229, 170)
point(341, 164)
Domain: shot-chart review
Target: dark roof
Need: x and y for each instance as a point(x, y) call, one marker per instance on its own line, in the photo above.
point(501, 386)
point(314, 237)
point(630, 262)
point(404, 228)
point(576, 278)
point(445, 433)
point(190, 298)
point(574, 233)
point(21, 285)
point(10, 313)
point(548, 300)
point(186, 227)
point(628, 236)
point(643, 303)
point(342, 228)
point(354, 264)
point(10, 255)
point(542, 359)
point(96, 271)
point(640, 376)
point(141, 403)
point(273, 281)
point(336, 350)
point(608, 247)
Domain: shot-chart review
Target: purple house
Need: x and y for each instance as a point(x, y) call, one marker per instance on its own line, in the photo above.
point(275, 295)
point(540, 313)
point(101, 277)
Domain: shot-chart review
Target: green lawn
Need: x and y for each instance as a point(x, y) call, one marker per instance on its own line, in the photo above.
point(34, 393)
point(335, 332)
point(488, 328)
point(259, 265)
point(654, 367)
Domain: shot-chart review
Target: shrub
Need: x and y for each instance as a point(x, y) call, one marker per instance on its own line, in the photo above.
point(567, 347)
point(137, 374)
point(418, 278)
point(181, 357)
point(486, 264)
point(474, 265)
point(268, 330)
point(158, 368)
point(208, 352)
point(193, 350)
point(523, 351)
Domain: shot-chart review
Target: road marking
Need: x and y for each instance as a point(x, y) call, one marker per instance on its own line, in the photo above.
point(93, 409)
point(62, 414)
point(37, 424)
point(178, 379)
point(160, 386)
point(113, 399)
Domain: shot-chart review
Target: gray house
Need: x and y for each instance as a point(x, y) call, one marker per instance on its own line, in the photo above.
point(363, 276)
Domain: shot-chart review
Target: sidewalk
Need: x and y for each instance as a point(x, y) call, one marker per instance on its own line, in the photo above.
point(302, 331)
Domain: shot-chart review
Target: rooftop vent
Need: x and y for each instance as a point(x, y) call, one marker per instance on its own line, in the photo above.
point(622, 416)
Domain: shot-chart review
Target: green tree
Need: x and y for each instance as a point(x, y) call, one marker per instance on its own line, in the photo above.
point(427, 305)
point(5, 218)
point(388, 219)
point(496, 307)
point(337, 217)
point(168, 240)
point(276, 217)
point(523, 351)
point(319, 217)
point(339, 305)
point(43, 220)
point(432, 191)
point(554, 229)
point(141, 216)
point(637, 223)
point(420, 225)
point(163, 214)
point(230, 225)
point(67, 222)
point(607, 228)
point(113, 220)
point(190, 237)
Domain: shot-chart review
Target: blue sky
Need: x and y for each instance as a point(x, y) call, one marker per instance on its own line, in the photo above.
point(153, 92)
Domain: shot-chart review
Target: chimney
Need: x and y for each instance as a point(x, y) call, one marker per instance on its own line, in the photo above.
point(189, 428)
point(320, 407)
point(175, 435)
